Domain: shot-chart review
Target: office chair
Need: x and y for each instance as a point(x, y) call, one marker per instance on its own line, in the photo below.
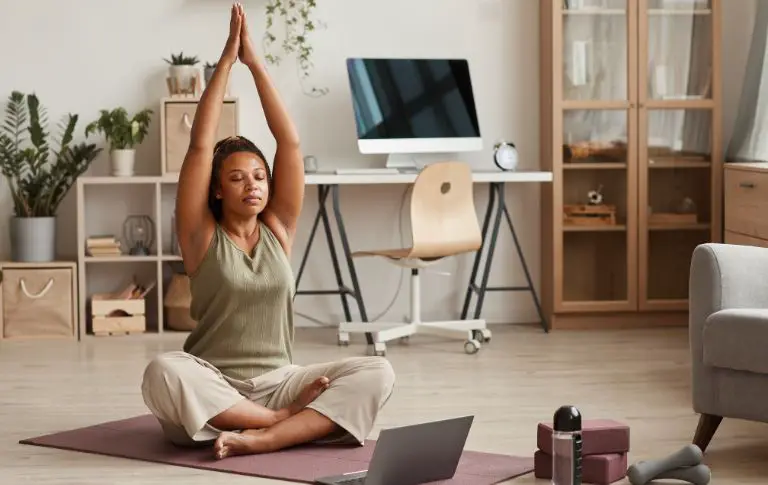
point(443, 223)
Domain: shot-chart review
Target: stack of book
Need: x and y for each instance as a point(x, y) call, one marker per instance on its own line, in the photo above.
point(102, 246)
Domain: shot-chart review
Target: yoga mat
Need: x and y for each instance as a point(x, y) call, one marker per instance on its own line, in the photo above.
point(141, 438)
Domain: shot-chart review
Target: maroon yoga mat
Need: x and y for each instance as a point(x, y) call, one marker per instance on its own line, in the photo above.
point(141, 438)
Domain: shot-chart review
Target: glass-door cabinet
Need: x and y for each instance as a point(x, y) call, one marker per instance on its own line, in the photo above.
point(629, 110)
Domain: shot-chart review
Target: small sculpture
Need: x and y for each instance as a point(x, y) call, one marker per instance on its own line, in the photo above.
point(595, 197)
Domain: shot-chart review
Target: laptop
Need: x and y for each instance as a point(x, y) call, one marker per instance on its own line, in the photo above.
point(412, 455)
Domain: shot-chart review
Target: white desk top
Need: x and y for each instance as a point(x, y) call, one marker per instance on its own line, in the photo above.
point(486, 176)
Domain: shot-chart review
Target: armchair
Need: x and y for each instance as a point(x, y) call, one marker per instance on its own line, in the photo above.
point(728, 335)
point(443, 223)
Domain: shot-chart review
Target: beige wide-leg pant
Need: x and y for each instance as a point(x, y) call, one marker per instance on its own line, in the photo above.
point(184, 392)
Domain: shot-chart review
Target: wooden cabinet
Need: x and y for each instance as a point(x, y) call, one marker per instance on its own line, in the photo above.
point(630, 127)
point(176, 118)
point(746, 204)
point(37, 300)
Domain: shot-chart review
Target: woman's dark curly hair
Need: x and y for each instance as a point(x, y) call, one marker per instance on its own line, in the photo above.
point(221, 151)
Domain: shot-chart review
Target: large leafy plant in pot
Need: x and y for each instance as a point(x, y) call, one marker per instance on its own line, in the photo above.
point(123, 135)
point(39, 175)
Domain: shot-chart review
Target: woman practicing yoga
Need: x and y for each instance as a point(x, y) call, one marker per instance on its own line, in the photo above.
point(235, 384)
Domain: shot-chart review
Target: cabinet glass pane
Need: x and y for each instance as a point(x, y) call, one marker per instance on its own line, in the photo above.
point(679, 195)
point(595, 136)
point(595, 258)
point(595, 50)
point(594, 266)
point(679, 49)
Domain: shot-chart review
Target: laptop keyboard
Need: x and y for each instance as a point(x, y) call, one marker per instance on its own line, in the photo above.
point(352, 481)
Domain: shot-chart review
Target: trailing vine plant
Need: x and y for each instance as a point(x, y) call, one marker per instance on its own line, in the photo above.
point(296, 16)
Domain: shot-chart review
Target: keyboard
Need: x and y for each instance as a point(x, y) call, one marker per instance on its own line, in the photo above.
point(352, 481)
point(367, 171)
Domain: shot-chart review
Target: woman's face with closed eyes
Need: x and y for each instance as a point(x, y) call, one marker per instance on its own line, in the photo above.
point(243, 184)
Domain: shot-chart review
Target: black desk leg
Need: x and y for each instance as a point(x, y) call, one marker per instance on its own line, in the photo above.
point(342, 290)
point(497, 195)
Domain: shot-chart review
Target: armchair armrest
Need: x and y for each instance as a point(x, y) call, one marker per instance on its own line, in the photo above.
point(726, 276)
point(723, 276)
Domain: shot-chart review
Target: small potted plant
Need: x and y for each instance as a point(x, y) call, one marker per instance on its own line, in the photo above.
point(123, 134)
point(210, 67)
point(183, 74)
point(40, 169)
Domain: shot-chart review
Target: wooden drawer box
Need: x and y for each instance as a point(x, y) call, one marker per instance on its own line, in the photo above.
point(117, 316)
point(38, 300)
point(176, 118)
point(746, 202)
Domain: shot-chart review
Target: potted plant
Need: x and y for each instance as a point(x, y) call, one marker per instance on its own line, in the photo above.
point(183, 73)
point(210, 67)
point(299, 24)
point(122, 134)
point(39, 174)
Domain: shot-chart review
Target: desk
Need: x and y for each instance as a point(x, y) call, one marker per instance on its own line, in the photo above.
point(328, 183)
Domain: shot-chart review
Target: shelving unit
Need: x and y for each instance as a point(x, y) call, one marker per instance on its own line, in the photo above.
point(117, 200)
point(155, 266)
point(630, 107)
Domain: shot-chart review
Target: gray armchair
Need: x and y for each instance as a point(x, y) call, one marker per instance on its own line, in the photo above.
point(728, 335)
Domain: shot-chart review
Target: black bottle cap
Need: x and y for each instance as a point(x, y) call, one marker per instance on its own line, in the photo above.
point(567, 419)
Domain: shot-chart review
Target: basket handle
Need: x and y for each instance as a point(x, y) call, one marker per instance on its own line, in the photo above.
point(42, 293)
point(186, 121)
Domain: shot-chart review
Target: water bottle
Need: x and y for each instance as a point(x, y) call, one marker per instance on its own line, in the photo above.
point(566, 447)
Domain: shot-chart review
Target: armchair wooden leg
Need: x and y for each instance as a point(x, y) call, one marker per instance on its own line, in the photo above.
point(708, 424)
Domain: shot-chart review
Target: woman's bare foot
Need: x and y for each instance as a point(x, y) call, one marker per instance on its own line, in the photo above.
point(309, 394)
point(234, 444)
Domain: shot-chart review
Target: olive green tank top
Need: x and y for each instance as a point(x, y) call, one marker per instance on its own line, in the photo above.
point(243, 305)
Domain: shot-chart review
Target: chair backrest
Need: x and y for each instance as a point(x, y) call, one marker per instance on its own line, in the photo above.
point(443, 217)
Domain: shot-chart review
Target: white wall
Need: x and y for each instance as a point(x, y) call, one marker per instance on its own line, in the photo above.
point(85, 55)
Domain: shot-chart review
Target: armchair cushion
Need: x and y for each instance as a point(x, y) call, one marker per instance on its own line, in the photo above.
point(737, 339)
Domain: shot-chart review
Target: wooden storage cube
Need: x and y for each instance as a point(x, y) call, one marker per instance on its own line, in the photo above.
point(595, 266)
point(177, 118)
point(669, 261)
point(117, 316)
point(38, 301)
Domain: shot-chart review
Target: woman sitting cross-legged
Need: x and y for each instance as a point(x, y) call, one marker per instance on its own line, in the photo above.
point(234, 384)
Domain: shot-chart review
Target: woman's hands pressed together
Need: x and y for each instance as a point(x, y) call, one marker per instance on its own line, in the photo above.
point(233, 46)
point(247, 51)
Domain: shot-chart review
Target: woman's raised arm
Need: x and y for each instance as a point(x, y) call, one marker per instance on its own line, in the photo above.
point(194, 221)
point(287, 194)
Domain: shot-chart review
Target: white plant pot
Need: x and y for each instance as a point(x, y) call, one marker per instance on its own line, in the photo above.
point(123, 162)
point(183, 78)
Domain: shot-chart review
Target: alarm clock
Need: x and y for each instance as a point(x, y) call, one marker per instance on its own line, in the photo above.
point(505, 155)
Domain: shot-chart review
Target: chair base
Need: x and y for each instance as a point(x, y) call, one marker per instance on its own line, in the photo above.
point(473, 332)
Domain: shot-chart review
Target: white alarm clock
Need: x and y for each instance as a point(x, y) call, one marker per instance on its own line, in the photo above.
point(505, 155)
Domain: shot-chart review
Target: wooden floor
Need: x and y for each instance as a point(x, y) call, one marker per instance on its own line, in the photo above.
point(516, 381)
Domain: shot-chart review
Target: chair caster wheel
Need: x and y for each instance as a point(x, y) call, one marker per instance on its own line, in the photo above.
point(471, 346)
point(379, 350)
point(482, 335)
point(343, 340)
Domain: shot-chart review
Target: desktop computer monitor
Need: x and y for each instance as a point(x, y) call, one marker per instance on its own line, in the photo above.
point(411, 108)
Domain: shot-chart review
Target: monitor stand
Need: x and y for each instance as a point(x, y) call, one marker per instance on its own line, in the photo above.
point(412, 162)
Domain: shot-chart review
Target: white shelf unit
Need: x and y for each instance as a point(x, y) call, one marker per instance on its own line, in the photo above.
point(161, 256)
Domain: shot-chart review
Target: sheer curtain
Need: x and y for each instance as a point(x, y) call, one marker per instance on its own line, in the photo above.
point(749, 142)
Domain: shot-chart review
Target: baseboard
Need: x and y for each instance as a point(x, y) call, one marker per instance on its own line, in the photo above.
point(613, 321)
